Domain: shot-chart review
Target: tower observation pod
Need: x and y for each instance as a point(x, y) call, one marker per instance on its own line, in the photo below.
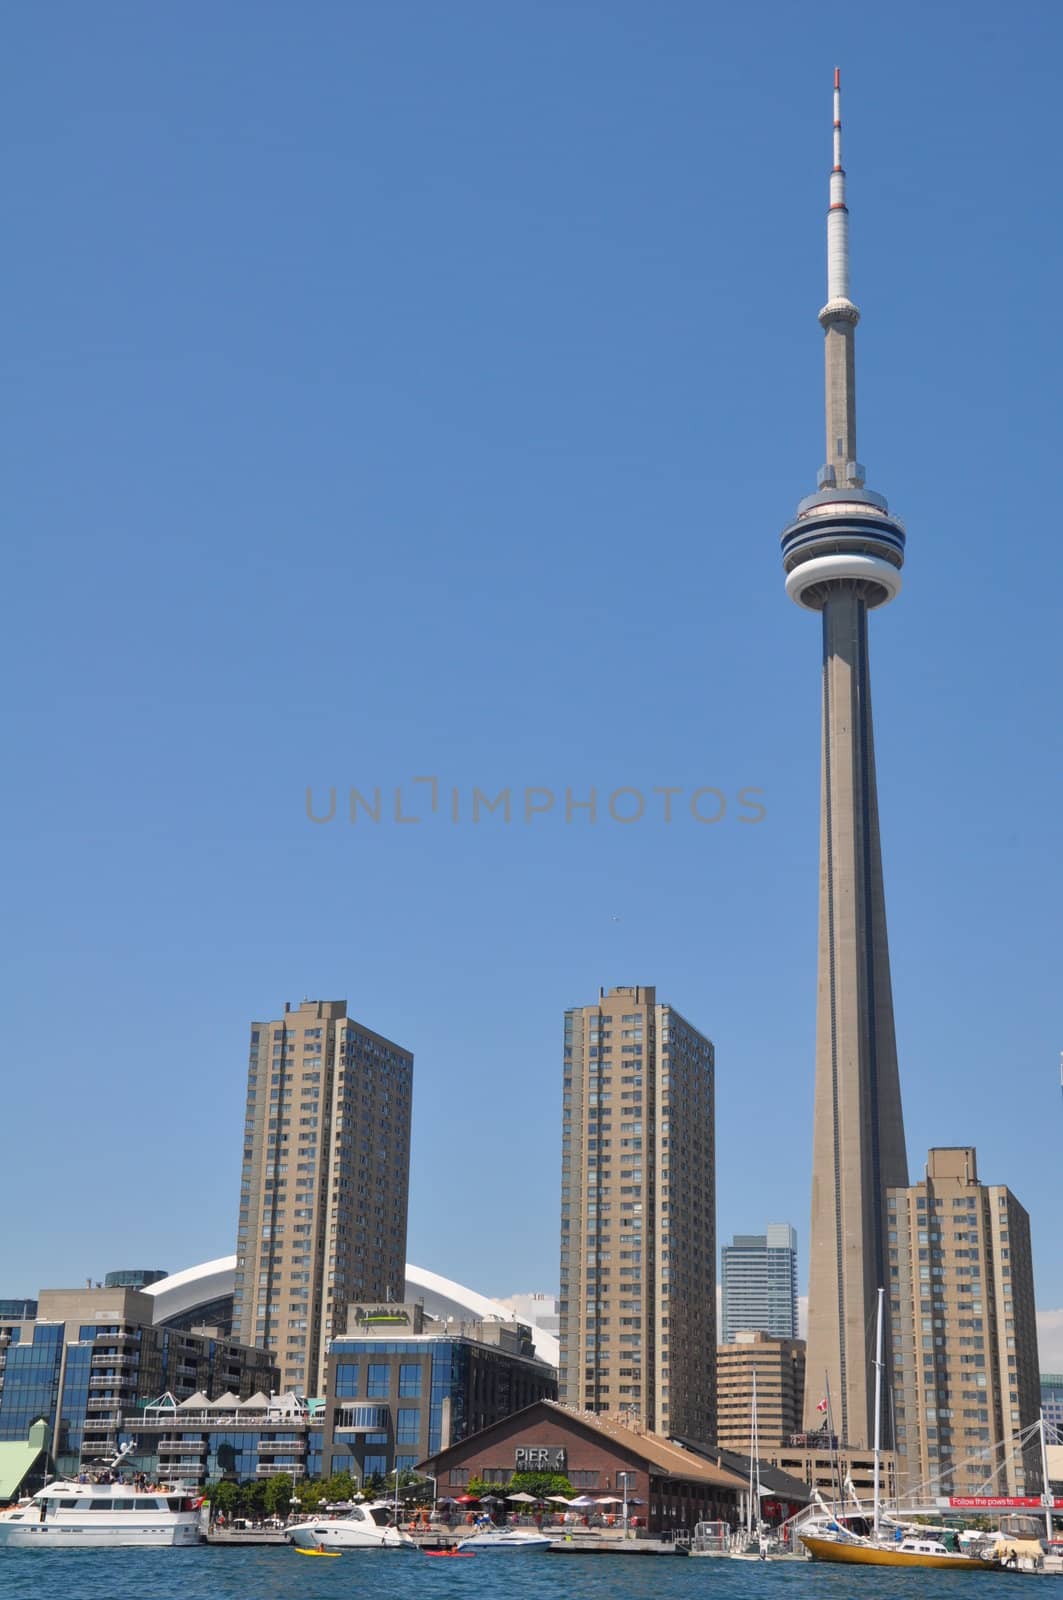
point(842, 556)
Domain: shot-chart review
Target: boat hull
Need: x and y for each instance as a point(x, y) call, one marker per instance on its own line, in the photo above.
point(56, 1536)
point(502, 1544)
point(873, 1555)
point(338, 1537)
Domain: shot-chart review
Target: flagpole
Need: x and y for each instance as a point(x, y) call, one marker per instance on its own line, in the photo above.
point(835, 1466)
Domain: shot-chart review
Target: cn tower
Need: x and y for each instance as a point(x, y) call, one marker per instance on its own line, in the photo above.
point(843, 557)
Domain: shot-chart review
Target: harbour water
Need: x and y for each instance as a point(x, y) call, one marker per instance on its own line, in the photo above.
point(280, 1574)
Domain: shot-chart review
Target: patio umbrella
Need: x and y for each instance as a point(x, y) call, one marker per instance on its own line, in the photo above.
point(467, 1500)
point(609, 1500)
point(585, 1500)
point(559, 1500)
point(525, 1499)
point(490, 1500)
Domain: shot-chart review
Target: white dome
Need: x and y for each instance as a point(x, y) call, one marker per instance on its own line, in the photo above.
point(182, 1292)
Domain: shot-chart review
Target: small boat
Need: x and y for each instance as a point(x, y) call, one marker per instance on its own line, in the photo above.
point(366, 1526)
point(503, 1541)
point(462, 1555)
point(304, 1550)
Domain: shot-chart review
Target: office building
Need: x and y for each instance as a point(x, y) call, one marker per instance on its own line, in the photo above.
point(638, 1218)
point(93, 1356)
point(842, 557)
point(758, 1283)
point(403, 1386)
point(1052, 1405)
point(963, 1331)
point(779, 1368)
point(324, 1183)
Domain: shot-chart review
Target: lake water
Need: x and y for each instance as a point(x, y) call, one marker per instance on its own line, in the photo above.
point(278, 1573)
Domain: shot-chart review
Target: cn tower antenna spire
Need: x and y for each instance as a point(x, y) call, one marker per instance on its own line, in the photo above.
point(838, 215)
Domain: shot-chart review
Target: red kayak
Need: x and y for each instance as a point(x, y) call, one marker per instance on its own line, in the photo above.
point(460, 1555)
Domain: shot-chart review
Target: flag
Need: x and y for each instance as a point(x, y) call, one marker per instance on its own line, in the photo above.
point(822, 1404)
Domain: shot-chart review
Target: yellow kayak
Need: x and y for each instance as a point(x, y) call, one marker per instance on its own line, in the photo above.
point(299, 1550)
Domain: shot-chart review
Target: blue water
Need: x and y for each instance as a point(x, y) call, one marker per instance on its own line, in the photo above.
point(279, 1574)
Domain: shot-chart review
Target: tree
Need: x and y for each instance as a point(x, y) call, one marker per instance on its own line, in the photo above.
point(310, 1493)
point(341, 1486)
point(278, 1494)
point(540, 1484)
point(224, 1498)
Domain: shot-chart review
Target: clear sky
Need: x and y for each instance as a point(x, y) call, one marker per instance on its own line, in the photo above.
point(418, 389)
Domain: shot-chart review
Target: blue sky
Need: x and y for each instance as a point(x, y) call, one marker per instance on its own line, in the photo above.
point(421, 390)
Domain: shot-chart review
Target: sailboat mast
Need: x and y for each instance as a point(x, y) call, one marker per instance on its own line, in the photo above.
point(1047, 1492)
point(878, 1410)
point(752, 1459)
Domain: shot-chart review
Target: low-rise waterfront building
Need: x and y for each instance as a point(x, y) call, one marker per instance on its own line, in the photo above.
point(201, 1440)
point(402, 1385)
point(666, 1486)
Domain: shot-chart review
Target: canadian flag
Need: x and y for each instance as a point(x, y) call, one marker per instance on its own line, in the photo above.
point(822, 1405)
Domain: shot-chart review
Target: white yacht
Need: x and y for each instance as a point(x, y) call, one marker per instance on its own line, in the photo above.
point(73, 1516)
point(490, 1539)
point(363, 1527)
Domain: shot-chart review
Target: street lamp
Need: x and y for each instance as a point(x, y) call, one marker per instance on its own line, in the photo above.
point(625, 1476)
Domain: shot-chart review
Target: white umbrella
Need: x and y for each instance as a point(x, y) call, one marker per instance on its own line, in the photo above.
point(559, 1500)
point(525, 1499)
point(583, 1500)
point(608, 1500)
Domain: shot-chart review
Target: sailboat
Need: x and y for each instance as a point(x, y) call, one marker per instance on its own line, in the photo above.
point(840, 1544)
point(756, 1543)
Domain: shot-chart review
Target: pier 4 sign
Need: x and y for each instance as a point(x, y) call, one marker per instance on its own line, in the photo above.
point(531, 1459)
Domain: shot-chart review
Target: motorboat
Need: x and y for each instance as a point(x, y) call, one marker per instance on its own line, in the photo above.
point(69, 1515)
point(365, 1526)
point(492, 1538)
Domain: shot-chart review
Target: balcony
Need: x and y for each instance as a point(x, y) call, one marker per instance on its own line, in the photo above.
point(115, 1358)
point(270, 1469)
point(362, 1419)
point(288, 1447)
point(182, 1447)
point(114, 1380)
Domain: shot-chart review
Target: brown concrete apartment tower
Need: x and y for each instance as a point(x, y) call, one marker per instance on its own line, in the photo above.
point(965, 1371)
point(842, 557)
point(324, 1183)
point(638, 1215)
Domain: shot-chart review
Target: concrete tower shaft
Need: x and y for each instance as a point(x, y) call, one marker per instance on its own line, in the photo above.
point(842, 556)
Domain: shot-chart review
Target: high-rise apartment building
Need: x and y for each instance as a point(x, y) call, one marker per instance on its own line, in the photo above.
point(758, 1283)
point(638, 1214)
point(324, 1184)
point(779, 1368)
point(964, 1333)
point(842, 557)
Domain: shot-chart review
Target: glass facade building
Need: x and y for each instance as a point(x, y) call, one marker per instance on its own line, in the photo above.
point(93, 1356)
point(394, 1401)
point(758, 1283)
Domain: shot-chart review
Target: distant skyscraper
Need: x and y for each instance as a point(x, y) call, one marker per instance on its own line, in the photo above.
point(638, 1214)
point(758, 1281)
point(842, 558)
point(965, 1378)
point(324, 1184)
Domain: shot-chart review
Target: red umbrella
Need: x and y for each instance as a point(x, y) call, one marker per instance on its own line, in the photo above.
point(467, 1500)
